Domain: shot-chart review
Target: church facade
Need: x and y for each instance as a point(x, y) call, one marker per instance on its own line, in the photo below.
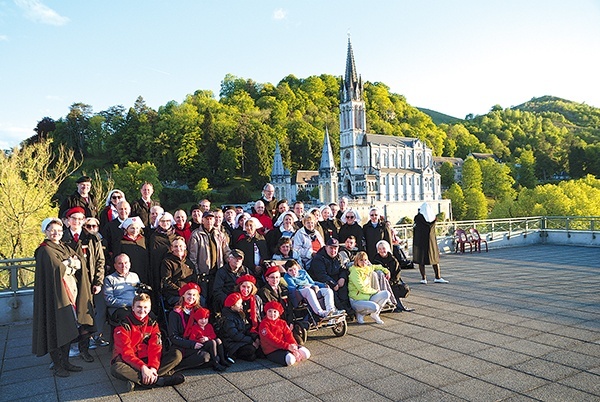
point(374, 169)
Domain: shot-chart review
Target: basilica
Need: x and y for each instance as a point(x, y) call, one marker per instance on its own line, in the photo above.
point(375, 169)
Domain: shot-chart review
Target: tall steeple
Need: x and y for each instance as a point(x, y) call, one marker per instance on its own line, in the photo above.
point(280, 176)
point(351, 83)
point(328, 178)
point(327, 162)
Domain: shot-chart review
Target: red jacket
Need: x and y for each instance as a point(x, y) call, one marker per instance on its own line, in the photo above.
point(197, 333)
point(275, 335)
point(265, 221)
point(138, 342)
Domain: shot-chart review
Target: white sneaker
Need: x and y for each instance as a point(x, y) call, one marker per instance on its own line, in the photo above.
point(424, 281)
point(375, 317)
point(74, 351)
point(360, 318)
point(441, 280)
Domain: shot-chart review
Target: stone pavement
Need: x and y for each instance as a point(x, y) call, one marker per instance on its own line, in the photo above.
point(513, 324)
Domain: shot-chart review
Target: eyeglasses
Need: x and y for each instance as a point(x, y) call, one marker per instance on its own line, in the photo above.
point(91, 226)
point(350, 217)
point(116, 197)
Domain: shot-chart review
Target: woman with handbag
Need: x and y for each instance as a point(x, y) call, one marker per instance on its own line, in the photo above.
point(400, 289)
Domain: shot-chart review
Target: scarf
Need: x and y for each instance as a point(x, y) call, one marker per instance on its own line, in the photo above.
point(253, 316)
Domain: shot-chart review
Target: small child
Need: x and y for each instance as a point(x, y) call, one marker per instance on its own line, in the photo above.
point(238, 339)
point(298, 279)
point(276, 339)
point(204, 335)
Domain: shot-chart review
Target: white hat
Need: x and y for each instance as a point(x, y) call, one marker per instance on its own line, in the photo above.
point(130, 221)
point(46, 222)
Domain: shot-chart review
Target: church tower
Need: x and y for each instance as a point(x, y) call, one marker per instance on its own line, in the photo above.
point(328, 180)
point(353, 125)
point(281, 178)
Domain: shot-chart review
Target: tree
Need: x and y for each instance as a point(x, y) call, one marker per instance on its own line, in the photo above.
point(496, 180)
point(525, 169)
point(476, 206)
point(130, 178)
point(471, 175)
point(29, 178)
point(202, 189)
point(457, 199)
point(447, 174)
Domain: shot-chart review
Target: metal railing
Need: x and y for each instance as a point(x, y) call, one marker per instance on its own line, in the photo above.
point(17, 275)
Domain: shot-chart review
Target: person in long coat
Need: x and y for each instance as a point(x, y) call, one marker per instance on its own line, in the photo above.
point(425, 248)
point(58, 306)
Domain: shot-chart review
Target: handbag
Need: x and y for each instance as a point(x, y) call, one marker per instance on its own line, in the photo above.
point(400, 290)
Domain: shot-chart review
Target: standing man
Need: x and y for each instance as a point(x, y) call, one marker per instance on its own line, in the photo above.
point(81, 198)
point(88, 248)
point(204, 205)
point(141, 206)
point(208, 246)
point(268, 198)
point(343, 205)
point(113, 233)
point(375, 230)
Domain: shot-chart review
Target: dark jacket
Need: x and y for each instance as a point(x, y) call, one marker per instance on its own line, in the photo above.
point(246, 244)
point(326, 269)
point(374, 234)
point(76, 200)
point(234, 331)
point(174, 273)
point(267, 294)
point(91, 253)
point(159, 246)
point(224, 284)
point(352, 230)
point(330, 228)
point(391, 263)
point(140, 208)
point(425, 248)
point(54, 324)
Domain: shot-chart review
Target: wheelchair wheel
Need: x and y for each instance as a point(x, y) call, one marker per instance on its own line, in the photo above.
point(340, 329)
point(301, 332)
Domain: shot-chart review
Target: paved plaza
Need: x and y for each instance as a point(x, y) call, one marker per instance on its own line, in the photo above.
point(514, 324)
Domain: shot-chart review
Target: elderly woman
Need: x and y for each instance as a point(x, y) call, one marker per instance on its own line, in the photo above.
point(284, 227)
point(109, 213)
point(263, 217)
point(399, 289)
point(330, 224)
point(285, 251)
point(159, 245)
point(133, 244)
point(238, 227)
point(425, 248)
point(62, 299)
point(307, 240)
point(351, 227)
point(254, 247)
point(364, 298)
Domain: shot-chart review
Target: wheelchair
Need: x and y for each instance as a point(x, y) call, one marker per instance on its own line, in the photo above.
point(306, 320)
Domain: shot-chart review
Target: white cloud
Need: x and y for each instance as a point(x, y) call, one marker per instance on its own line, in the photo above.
point(38, 12)
point(3, 38)
point(279, 14)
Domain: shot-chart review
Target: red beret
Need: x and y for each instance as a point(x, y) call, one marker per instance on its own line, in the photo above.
point(271, 269)
point(189, 286)
point(201, 313)
point(232, 299)
point(74, 210)
point(275, 305)
point(245, 278)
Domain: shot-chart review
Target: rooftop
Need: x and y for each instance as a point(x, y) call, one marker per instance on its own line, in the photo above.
point(513, 324)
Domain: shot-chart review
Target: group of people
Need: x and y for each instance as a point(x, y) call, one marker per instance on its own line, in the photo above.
point(135, 267)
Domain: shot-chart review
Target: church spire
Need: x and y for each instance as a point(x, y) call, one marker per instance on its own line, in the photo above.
point(278, 169)
point(327, 162)
point(351, 83)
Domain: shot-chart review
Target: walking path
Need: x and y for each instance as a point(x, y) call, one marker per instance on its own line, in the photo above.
point(513, 324)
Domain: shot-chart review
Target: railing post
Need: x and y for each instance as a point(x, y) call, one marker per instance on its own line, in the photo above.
point(14, 278)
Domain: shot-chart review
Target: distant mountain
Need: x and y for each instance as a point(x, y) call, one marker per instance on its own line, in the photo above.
point(439, 118)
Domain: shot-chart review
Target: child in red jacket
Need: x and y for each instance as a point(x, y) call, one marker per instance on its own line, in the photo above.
point(276, 338)
point(138, 353)
point(203, 333)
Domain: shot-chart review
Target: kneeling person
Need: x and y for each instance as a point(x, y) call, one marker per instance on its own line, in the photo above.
point(137, 354)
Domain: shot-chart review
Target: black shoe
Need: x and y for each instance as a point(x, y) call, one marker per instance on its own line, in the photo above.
point(170, 380)
point(60, 371)
point(71, 367)
point(225, 362)
point(86, 356)
point(130, 386)
point(219, 367)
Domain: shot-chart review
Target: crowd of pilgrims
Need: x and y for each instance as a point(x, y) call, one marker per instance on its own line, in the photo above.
point(221, 285)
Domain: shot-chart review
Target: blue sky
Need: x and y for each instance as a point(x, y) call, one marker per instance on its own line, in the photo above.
point(456, 57)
